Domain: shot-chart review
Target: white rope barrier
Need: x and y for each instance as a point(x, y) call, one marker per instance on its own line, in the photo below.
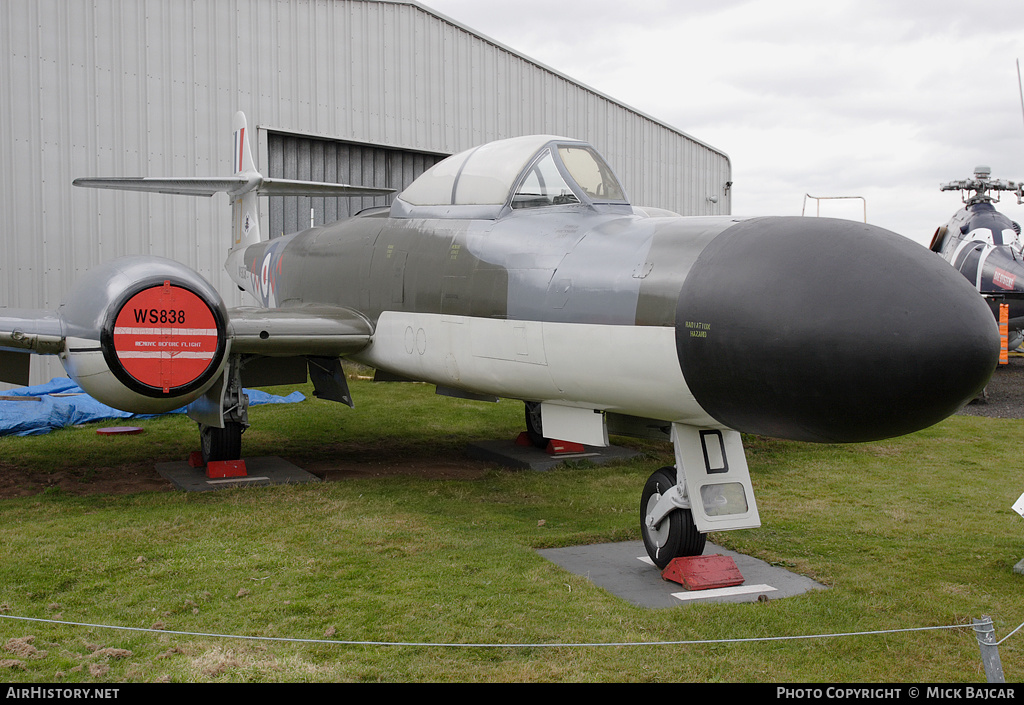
point(342, 642)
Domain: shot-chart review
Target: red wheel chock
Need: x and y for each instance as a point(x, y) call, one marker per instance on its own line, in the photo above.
point(563, 447)
point(553, 448)
point(218, 469)
point(703, 572)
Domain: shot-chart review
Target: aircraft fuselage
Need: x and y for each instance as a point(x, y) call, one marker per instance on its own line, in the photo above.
point(766, 325)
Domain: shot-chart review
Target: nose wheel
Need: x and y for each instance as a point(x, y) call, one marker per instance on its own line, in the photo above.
point(675, 535)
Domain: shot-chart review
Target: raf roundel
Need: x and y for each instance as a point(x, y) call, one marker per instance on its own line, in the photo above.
point(166, 338)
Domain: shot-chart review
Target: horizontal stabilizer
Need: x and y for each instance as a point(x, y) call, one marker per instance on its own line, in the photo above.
point(186, 186)
point(233, 185)
point(289, 187)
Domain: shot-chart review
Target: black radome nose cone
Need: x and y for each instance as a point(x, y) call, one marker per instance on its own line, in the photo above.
point(828, 330)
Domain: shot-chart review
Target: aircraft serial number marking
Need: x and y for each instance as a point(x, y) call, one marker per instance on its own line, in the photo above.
point(154, 315)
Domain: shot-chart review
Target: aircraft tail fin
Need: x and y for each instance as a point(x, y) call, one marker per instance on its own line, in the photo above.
point(243, 161)
point(245, 221)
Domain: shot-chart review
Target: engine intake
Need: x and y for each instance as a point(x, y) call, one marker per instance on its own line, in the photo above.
point(144, 334)
point(162, 339)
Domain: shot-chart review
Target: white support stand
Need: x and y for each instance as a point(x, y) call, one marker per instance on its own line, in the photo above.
point(578, 425)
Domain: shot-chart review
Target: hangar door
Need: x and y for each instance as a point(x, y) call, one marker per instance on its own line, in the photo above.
point(292, 156)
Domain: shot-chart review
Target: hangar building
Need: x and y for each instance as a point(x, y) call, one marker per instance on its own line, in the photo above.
point(368, 92)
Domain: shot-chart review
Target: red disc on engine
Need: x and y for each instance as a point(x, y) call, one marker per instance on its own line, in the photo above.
point(165, 337)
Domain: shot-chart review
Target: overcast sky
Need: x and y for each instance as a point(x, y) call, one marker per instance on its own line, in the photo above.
point(882, 99)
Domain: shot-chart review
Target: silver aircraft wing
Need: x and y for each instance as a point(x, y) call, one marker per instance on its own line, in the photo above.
point(324, 331)
point(283, 345)
point(314, 331)
point(27, 331)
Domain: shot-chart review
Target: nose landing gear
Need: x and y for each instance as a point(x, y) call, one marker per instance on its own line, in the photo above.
point(708, 490)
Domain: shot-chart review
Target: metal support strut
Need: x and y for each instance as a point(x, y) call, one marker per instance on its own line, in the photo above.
point(986, 635)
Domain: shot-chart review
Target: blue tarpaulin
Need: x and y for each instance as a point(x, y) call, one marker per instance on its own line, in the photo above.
point(27, 418)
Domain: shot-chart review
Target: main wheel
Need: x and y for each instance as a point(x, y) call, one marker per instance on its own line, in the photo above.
point(676, 535)
point(221, 443)
point(534, 429)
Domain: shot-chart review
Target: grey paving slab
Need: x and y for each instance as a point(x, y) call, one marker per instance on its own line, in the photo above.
point(508, 454)
point(625, 570)
point(261, 472)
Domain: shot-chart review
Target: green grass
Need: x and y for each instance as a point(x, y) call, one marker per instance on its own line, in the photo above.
point(913, 532)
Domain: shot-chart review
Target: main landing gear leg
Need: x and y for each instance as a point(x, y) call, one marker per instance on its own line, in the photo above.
point(225, 443)
point(221, 443)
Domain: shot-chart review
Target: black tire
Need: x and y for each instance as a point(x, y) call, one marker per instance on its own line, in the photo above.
point(221, 443)
point(534, 428)
point(677, 535)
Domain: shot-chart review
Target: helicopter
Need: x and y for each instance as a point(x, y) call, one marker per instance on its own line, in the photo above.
point(986, 246)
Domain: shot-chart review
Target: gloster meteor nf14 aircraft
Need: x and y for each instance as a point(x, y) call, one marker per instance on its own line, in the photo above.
point(985, 246)
point(519, 269)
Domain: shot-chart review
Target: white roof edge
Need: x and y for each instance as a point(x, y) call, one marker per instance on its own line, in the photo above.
point(505, 47)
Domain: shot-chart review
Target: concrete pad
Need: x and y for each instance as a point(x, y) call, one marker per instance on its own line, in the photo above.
point(510, 455)
point(625, 571)
point(261, 472)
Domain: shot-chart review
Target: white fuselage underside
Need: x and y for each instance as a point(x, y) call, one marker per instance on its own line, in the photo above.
point(625, 369)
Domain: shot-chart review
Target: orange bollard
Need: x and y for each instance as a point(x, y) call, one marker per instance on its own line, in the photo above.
point(1004, 334)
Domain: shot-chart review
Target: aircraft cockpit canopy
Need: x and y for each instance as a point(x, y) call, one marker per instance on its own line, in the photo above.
point(985, 224)
point(512, 174)
point(1006, 236)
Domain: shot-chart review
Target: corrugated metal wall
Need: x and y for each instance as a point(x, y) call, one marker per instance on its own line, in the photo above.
point(149, 87)
point(306, 158)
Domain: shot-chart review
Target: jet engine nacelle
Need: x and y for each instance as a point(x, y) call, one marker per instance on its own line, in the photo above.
point(144, 334)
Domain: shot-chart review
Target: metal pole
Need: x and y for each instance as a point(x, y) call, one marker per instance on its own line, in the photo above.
point(1020, 87)
point(986, 635)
